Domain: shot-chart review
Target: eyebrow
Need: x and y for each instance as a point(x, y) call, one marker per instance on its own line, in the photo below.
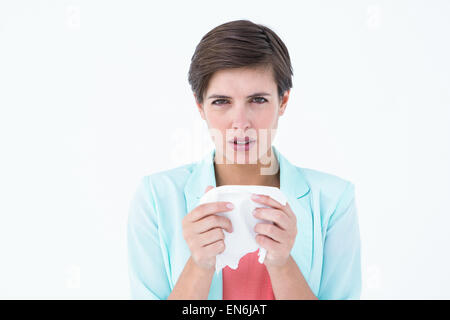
point(226, 97)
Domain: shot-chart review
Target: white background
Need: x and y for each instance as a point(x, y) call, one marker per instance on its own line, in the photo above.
point(94, 95)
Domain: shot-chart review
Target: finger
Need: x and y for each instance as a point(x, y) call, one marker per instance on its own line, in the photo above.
point(210, 236)
point(208, 208)
point(276, 216)
point(269, 201)
point(289, 211)
point(215, 248)
point(268, 243)
point(208, 188)
point(213, 221)
point(271, 230)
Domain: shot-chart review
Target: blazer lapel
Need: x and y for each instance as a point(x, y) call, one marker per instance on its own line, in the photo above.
point(294, 186)
point(292, 183)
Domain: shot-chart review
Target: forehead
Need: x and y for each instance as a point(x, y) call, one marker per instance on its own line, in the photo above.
point(241, 81)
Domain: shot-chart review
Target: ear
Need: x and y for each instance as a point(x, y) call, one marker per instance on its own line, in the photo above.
point(199, 107)
point(284, 101)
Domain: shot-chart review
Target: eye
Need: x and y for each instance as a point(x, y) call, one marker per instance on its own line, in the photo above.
point(262, 101)
point(214, 102)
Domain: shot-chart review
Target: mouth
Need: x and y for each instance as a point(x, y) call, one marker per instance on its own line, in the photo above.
point(242, 144)
point(241, 141)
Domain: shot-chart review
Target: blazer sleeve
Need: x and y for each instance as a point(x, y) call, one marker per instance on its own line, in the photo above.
point(147, 273)
point(341, 270)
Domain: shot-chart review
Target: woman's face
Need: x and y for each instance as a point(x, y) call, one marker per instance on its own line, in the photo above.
point(242, 103)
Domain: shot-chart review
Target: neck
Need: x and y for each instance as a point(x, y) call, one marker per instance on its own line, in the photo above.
point(247, 174)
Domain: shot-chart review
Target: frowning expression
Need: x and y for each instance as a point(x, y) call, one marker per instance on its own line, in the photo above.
point(242, 104)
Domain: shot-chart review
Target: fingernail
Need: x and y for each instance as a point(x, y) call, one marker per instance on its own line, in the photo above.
point(230, 206)
point(255, 197)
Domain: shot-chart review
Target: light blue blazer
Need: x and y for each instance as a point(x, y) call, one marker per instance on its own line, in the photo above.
point(327, 247)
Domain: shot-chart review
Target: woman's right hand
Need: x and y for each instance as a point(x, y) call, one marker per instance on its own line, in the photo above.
point(202, 230)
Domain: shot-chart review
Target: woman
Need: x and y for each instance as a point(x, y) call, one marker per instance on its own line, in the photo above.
point(240, 75)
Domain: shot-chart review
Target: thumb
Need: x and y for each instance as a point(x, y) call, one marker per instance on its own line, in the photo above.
point(208, 188)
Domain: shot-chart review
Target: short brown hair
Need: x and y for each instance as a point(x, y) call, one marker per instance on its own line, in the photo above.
point(235, 44)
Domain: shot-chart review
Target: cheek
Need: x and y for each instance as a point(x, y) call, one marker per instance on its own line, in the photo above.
point(267, 119)
point(214, 120)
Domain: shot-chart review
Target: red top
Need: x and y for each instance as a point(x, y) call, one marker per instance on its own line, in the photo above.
point(250, 281)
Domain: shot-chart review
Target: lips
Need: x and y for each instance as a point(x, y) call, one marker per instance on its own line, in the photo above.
point(241, 140)
point(242, 147)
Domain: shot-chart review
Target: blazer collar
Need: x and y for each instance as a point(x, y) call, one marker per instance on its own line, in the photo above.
point(292, 183)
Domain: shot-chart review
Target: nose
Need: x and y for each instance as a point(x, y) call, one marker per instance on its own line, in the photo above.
point(240, 118)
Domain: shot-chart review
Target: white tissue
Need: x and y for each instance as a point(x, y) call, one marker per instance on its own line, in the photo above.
point(242, 240)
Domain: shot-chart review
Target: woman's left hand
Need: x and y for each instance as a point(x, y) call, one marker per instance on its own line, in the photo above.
point(278, 238)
